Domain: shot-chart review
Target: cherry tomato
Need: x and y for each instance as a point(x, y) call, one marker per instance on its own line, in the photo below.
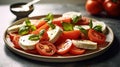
point(94, 7)
point(45, 48)
point(96, 36)
point(112, 7)
point(64, 47)
point(76, 51)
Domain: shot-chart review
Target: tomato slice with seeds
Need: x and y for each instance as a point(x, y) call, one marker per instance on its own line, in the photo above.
point(96, 36)
point(64, 47)
point(45, 48)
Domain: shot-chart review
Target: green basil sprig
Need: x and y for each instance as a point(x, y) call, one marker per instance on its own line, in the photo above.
point(90, 23)
point(67, 26)
point(98, 28)
point(26, 28)
point(35, 37)
point(75, 19)
point(82, 30)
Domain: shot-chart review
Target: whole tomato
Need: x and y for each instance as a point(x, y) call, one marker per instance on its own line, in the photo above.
point(94, 6)
point(112, 7)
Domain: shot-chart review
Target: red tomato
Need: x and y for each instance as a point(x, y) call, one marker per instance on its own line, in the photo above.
point(44, 37)
point(45, 48)
point(12, 35)
point(76, 51)
point(83, 21)
point(58, 21)
point(64, 47)
point(75, 34)
point(40, 23)
point(96, 36)
point(15, 41)
point(112, 7)
point(44, 26)
point(94, 7)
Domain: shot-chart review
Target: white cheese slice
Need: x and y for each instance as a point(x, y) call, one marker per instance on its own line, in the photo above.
point(15, 28)
point(83, 26)
point(54, 34)
point(100, 23)
point(85, 44)
point(27, 44)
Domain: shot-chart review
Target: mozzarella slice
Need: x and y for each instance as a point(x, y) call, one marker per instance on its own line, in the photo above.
point(27, 44)
point(95, 23)
point(54, 34)
point(86, 44)
point(15, 28)
point(71, 14)
point(100, 23)
point(83, 26)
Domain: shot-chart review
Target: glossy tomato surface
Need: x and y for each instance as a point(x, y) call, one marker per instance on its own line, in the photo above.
point(112, 7)
point(96, 36)
point(45, 48)
point(93, 7)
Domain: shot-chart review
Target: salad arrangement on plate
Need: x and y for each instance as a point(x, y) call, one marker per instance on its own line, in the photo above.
point(68, 35)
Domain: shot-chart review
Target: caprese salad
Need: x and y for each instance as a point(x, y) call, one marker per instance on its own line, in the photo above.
point(67, 35)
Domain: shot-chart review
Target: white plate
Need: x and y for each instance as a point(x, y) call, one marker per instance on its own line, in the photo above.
point(110, 37)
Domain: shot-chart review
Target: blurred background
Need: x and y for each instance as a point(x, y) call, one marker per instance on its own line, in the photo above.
point(2, 2)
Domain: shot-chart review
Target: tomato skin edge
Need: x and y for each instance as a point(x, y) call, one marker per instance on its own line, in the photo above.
point(43, 52)
point(96, 36)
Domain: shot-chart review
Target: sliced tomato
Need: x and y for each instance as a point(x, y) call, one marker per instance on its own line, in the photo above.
point(83, 21)
point(45, 26)
point(12, 35)
point(44, 37)
point(96, 36)
point(58, 21)
point(16, 41)
point(76, 51)
point(74, 34)
point(45, 48)
point(40, 23)
point(64, 47)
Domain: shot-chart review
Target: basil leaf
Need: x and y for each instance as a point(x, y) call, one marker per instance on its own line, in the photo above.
point(75, 19)
point(51, 24)
point(32, 27)
point(34, 37)
point(28, 23)
point(91, 24)
point(23, 30)
point(42, 32)
point(82, 30)
point(98, 28)
point(67, 26)
point(49, 17)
